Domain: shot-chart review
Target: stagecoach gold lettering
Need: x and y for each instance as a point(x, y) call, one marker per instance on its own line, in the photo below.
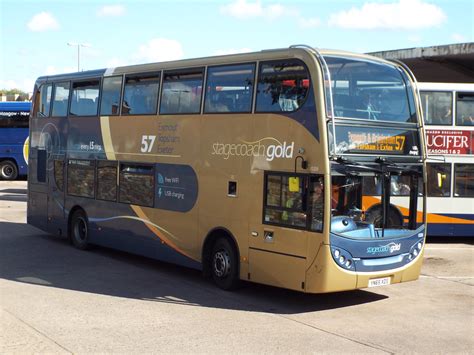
point(375, 141)
point(256, 149)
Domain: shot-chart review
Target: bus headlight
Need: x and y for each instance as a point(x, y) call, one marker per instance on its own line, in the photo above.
point(415, 250)
point(343, 258)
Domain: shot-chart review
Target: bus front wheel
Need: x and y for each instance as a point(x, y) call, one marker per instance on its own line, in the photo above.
point(225, 265)
point(8, 170)
point(79, 230)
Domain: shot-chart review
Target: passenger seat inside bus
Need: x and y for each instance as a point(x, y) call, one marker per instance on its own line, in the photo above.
point(59, 108)
point(86, 107)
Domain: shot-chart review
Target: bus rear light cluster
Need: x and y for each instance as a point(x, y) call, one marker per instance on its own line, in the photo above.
point(343, 258)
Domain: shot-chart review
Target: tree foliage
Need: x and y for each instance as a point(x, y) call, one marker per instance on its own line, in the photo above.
point(22, 96)
point(13, 92)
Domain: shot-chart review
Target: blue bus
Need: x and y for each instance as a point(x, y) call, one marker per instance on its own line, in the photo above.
point(14, 141)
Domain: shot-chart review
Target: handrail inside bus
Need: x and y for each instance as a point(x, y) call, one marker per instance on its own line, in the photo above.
point(327, 77)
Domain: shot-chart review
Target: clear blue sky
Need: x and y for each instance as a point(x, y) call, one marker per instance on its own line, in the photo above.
point(34, 34)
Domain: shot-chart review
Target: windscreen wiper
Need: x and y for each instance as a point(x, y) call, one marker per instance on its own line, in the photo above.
point(347, 163)
point(390, 166)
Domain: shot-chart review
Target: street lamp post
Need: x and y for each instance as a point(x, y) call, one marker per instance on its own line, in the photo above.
point(78, 45)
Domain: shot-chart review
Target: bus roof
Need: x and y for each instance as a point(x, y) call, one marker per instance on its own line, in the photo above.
point(15, 106)
point(267, 54)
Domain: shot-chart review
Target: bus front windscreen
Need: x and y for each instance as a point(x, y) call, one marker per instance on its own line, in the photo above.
point(362, 89)
point(370, 203)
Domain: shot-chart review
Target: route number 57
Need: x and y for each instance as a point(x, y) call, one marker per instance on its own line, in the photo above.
point(147, 143)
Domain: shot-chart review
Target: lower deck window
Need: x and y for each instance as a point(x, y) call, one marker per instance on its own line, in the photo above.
point(107, 180)
point(59, 174)
point(464, 180)
point(439, 179)
point(294, 200)
point(80, 178)
point(137, 184)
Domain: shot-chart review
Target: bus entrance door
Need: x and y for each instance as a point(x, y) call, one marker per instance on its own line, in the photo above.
point(277, 256)
point(56, 223)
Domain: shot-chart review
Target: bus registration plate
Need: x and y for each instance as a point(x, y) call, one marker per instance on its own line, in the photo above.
point(379, 282)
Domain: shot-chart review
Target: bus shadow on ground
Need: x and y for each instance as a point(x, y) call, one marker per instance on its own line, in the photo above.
point(13, 197)
point(18, 195)
point(14, 191)
point(31, 256)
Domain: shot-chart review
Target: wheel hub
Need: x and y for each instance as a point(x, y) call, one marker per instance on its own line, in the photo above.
point(221, 263)
point(80, 229)
point(7, 171)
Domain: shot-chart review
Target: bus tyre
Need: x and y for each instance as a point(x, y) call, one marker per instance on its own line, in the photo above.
point(225, 265)
point(8, 170)
point(79, 230)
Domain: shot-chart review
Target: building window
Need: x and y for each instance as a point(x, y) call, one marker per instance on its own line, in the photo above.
point(80, 178)
point(464, 180)
point(140, 95)
point(294, 201)
point(136, 184)
point(43, 102)
point(85, 98)
point(111, 89)
point(437, 107)
point(439, 180)
point(282, 86)
point(107, 180)
point(229, 88)
point(60, 101)
point(182, 91)
point(465, 109)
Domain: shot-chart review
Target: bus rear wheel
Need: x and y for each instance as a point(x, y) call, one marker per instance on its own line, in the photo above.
point(225, 265)
point(8, 170)
point(79, 230)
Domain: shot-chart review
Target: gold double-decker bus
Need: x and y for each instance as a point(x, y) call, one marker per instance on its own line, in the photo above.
point(275, 167)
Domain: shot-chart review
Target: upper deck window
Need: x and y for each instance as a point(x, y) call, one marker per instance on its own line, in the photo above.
point(43, 103)
point(369, 90)
point(111, 89)
point(182, 91)
point(85, 98)
point(436, 107)
point(60, 101)
point(229, 88)
point(282, 86)
point(140, 95)
point(465, 109)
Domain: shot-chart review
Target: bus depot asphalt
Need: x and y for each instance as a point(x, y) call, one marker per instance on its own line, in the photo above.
point(57, 299)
